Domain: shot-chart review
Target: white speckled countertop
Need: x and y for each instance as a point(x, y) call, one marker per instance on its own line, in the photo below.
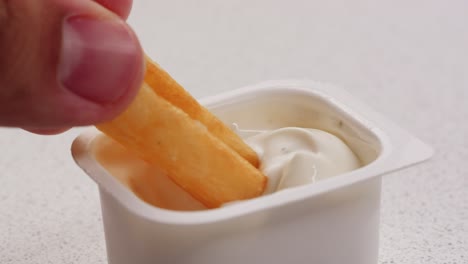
point(407, 59)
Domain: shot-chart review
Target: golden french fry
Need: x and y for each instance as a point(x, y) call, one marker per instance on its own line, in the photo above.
point(166, 87)
point(200, 163)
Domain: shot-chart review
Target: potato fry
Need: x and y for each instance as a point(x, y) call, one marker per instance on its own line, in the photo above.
point(166, 87)
point(200, 163)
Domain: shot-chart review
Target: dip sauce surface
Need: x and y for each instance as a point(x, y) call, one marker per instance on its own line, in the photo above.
point(294, 156)
point(289, 157)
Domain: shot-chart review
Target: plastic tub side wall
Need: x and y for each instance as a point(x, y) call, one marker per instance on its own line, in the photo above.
point(337, 227)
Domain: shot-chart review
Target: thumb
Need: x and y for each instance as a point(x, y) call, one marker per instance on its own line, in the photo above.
point(65, 63)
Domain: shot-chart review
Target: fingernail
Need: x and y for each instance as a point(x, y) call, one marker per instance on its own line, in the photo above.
point(100, 59)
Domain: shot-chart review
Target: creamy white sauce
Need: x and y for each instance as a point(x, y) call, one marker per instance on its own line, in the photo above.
point(294, 156)
point(289, 157)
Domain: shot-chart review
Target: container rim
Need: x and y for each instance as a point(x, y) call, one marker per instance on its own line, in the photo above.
point(392, 141)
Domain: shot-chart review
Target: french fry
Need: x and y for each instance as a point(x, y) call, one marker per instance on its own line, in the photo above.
point(166, 87)
point(200, 163)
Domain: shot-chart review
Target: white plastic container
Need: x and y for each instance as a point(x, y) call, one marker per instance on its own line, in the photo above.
point(334, 221)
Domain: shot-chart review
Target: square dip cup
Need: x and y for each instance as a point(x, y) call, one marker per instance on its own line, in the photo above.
point(332, 221)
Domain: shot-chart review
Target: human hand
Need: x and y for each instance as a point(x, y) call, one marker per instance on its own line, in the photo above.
point(66, 63)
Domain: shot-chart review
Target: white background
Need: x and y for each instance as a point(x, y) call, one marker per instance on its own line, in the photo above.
point(407, 59)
